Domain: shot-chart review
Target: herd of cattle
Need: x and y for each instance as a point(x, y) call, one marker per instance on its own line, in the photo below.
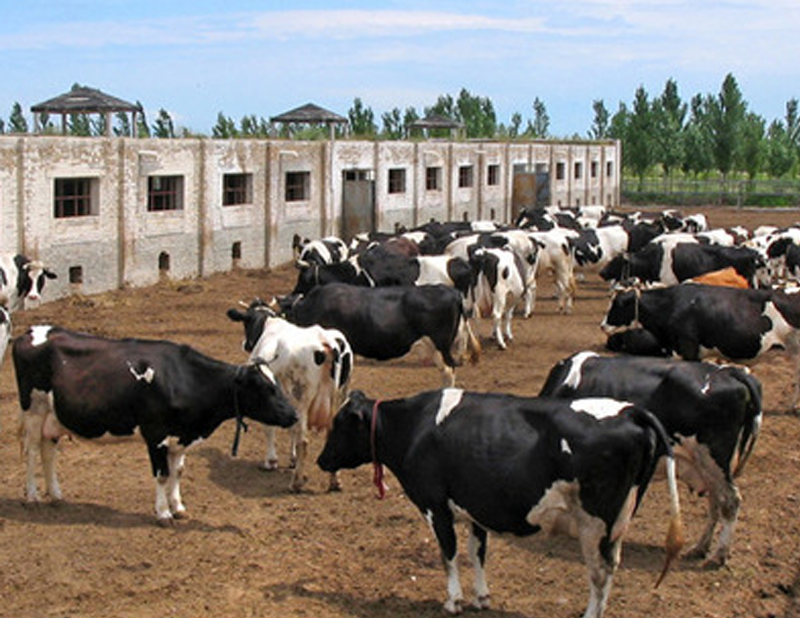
point(575, 460)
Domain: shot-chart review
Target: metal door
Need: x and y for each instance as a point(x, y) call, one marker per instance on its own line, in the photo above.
point(530, 189)
point(358, 203)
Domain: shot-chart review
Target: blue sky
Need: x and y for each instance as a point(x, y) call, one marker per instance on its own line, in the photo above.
point(198, 58)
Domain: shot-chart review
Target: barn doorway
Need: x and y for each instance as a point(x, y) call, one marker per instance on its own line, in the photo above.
point(163, 265)
point(530, 188)
point(358, 202)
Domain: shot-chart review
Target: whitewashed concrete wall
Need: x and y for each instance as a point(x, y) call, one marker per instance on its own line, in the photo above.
point(121, 243)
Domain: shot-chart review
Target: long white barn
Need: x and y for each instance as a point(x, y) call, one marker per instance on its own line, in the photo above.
point(106, 213)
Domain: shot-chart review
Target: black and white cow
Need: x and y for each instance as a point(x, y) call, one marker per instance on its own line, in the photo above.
point(500, 284)
point(349, 271)
point(312, 364)
point(90, 387)
point(328, 250)
point(384, 323)
point(694, 320)
point(510, 465)
point(656, 263)
point(712, 412)
point(21, 278)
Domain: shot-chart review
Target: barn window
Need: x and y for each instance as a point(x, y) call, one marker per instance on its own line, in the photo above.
point(236, 253)
point(76, 197)
point(593, 169)
point(237, 189)
point(76, 275)
point(163, 262)
point(561, 170)
point(298, 186)
point(433, 178)
point(609, 168)
point(397, 180)
point(164, 193)
point(466, 176)
point(493, 175)
point(578, 170)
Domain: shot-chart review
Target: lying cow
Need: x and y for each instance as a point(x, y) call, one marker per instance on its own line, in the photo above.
point(78, 384)
point(511, 465)
point(712, 412)
point(313, 366)
point(384, 323)
point(693, 320)
point(21, 278)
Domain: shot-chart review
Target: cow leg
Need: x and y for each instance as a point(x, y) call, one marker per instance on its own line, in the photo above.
point(175, 459)
point(601, 564)
point(724, 502)
point(441, 522)
point(498, 311)
point(509, 314)
point(299, 434)
point(51, 484)
point(159, 461)
point(31, 434)
point(448, 373)
point(477, 554)
point(271, 460)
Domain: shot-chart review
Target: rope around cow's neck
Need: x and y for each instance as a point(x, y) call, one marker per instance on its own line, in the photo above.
point(377, 467)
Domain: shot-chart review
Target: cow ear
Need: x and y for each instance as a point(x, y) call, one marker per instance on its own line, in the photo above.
point(235, 315)
point(50, 274)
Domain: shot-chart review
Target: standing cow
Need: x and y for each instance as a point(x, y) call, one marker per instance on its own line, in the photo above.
point(21, 278)
point(77, 384)
point(510, 465)
point(712, 413)
point(313, 366)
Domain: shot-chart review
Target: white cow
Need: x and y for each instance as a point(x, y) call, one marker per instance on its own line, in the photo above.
point(313, 366)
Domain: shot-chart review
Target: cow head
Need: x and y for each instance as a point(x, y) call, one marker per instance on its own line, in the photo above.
point(586, 247)
point(258, 312)
point(623, 312)
point(32, 277)
point(259, 397)
point(349, 443)
point(615, 269)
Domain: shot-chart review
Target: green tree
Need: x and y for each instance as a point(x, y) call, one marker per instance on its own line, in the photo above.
point(753, 147)
point(392, 124)
point(639, 144)
point(618, 126)
point(410, 116)
point(361, 119)
point(79, 125)
point(444, 106)
point(698, 157)
point(142, 128)
point(2, 126)
point(539, 127)
point(477, 114)
point(600, 124)
point(163, 127)
point(16, 121)
point(515, 125)
point(726, 114)
point(781, 154)
point(669, 116)
point(225, 127)
point(122, 127)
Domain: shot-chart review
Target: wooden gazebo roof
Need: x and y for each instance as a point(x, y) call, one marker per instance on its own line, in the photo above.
point(437, 121)
point(311, 114)
point(85, 100)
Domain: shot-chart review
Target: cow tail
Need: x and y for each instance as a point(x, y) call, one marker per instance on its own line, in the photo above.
point(752, 422)
point(675, 539)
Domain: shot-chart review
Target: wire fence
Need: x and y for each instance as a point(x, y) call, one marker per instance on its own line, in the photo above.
point(697, 192)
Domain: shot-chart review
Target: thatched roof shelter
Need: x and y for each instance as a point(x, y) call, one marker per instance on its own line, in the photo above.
point(311, 114)
point(84, 100)
point(437, 121)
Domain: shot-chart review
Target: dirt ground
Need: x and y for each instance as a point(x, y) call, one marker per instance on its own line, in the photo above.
point(251, 548)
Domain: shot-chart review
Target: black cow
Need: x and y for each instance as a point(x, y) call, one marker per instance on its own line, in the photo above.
point(692, 319)
point(383, 323)
point(313, 275)
point(511, 465)
point(712, 412)
point(21, 278)
point(74, 383)
point(659, 263)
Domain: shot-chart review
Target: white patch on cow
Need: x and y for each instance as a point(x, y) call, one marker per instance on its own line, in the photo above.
point(267, 372)
point(573, 379)
point(565, 447)
point(147, 375)
point(599, 407)
point(451, 397)
point(39, 334)
point(781, 331)
point(791, 289)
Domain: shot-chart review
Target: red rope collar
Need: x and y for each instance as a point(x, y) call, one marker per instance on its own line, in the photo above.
point(377, 468)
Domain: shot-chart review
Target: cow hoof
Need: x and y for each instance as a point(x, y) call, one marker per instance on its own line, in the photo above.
point(453, 606)
point(482, 602)
point(696, 553)
point(717, 561)
point(179, 514)
point(334, 487)
point(298, 485)
point(270, 465)
point(166, 522)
